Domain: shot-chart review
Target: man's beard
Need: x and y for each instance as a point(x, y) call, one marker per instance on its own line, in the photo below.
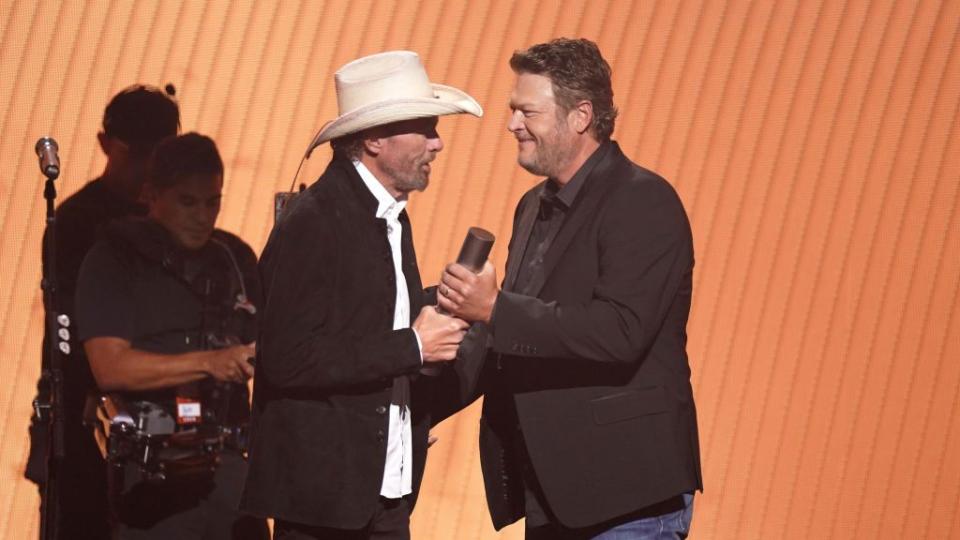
point(409, 176)
point(549, 156)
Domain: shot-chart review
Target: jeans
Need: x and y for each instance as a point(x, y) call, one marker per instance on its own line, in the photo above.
point(670, 525)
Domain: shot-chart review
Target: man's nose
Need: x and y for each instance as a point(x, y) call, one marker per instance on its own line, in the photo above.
point(206, 216)
point(435, 144)
point(516, 123)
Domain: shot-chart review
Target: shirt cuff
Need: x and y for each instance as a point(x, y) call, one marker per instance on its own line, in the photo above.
point(431, 370)
point(419, 345)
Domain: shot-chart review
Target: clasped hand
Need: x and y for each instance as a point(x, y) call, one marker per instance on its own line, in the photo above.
point(440, 334)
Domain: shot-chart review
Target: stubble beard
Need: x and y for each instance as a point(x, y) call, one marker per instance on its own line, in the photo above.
point(409, 176)
point(549, 155)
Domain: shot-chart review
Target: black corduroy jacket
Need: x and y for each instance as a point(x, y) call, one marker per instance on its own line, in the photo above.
point(326, 358)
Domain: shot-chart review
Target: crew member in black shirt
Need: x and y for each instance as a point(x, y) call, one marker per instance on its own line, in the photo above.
point(134, 121)
point(167, 312)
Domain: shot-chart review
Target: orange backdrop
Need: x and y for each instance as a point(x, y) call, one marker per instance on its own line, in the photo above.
point(815, 144)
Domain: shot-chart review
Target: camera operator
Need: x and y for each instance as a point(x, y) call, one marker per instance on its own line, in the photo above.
point(167, 312)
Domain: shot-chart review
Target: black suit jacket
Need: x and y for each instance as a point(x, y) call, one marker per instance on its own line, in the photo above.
point(326, 358)
point(592, 363)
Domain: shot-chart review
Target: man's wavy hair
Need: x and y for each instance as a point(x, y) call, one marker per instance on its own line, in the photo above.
point(578, 72)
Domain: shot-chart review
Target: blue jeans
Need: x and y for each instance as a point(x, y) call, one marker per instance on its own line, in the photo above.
point(673, 525)
point(670, 526)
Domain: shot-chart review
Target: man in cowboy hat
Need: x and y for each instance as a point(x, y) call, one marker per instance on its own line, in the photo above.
point(340, 415)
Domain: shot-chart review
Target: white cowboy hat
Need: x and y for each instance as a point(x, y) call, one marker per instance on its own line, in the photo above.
point(389, 87)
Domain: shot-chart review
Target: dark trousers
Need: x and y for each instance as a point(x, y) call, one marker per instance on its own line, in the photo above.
point(80, 503)
point(391, 521)
point(204, 510)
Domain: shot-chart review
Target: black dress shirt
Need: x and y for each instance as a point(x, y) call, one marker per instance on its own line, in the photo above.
point(555, 203)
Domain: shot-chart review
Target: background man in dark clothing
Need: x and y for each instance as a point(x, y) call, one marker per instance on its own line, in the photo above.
point(133, 122)
point(167, 312)
point(588, 426)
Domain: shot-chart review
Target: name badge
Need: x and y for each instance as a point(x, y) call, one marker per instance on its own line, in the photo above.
point(188, 411)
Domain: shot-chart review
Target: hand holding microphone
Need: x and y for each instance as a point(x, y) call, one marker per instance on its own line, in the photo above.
point(440, 330)
point(440, 335)
point(468, 288)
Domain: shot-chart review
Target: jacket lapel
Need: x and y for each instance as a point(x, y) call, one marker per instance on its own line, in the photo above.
point(524, 227)
point(354, 189)
point(411, 272)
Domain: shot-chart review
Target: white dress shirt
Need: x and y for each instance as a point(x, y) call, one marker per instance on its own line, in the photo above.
point(398, 470)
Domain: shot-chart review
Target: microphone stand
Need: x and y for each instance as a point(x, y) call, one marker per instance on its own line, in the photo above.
point(57, 344)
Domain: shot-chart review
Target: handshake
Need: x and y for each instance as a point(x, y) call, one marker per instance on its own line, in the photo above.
point(466, 294)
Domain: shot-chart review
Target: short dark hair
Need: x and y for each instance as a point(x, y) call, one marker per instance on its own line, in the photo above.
point(349, 146)
point(578, 72)
point(141, 116)
point(178, 157)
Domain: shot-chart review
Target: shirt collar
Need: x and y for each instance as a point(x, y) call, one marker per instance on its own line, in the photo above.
point(387, 206)
point(567, 193)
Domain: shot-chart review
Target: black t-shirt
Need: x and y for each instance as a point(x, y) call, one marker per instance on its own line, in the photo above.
point(137, 285)
point(79, 220)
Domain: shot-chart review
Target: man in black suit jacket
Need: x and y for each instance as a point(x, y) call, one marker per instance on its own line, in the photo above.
point(340, 406)
point(588, 425)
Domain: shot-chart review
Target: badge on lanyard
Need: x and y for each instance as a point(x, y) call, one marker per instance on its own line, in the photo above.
point(188, 411)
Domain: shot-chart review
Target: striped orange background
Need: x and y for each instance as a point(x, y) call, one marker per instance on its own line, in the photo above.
point(815, 144)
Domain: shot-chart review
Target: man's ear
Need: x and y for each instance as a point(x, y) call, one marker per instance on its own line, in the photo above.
point(373, 143)
point(104, 141)
point(580, 116)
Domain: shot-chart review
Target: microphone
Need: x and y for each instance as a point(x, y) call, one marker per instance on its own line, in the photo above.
point(476, 247)
point(46, 149)
point(474, 251)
